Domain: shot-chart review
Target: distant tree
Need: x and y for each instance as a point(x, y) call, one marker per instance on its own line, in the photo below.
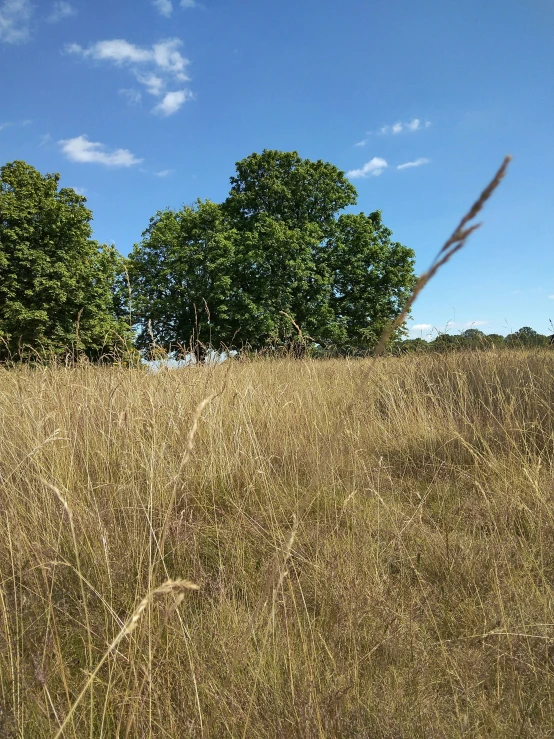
point(495, 340)
point(417, 345)
point(275, 264)
point(526, 337)
point(56, 283)
point(473, 333)
point(473, 338)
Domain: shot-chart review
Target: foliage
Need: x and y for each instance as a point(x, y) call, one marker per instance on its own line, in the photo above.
point(56, 283)
point(181, 274)
point(288, 189)
point(527, 337)
point(274, 264)
point(475, 339)
point(371, 277)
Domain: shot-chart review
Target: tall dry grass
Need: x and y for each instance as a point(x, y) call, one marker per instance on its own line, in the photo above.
point(410, 596)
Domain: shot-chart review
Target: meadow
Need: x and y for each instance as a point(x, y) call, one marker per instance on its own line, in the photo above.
point(279, 548)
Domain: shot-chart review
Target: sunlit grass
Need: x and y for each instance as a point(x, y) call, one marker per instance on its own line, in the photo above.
point(373, 562)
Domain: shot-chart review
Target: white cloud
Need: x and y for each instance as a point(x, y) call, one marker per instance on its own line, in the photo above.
point(551, 297)
point(80, 149)
point(163, 173)
point(132, 96)
point(10, 124)
point(15, 16)
point(172, 102)
point(155, 67)
point(116, 50)
point(363, 142)
point(398, 127)
point(61, 10)
point(374, 167)
point(414, 125)
point(154, 84)
point(415, 163)
point(164, 7)
point(421, 327)
point(163, 55)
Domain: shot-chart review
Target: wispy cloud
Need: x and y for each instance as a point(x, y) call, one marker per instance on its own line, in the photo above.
point(61, 10)
point(415, 163)
point(163, 55)
point(164, 7)
point(551, 297)
point(132, 96)
point(15, 16)
point(155, 67)
point(80, 149)
point(363, 142)
point(11, 124)
point(421, 327)
point(163, 173)
point(153, 83)
point(414, 125)
point(374, 167)
point(172, 101)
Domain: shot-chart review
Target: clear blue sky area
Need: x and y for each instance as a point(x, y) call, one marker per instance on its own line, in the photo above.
point(144, 104)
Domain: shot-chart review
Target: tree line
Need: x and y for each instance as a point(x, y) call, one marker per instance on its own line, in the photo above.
point(281, 263)
point(473, 338)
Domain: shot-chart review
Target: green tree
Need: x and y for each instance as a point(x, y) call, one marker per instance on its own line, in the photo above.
point(182, 278)
point(371, 277)
point(56, 283)
point(526, 337)
point(447, 342)
point(289, 189)
point(417, 345)
point(274, 259)
point(494, 340)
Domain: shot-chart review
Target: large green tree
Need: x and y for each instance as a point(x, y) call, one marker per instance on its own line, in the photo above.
point(277, 252)
point(56, 283)
point(182, 278)
point(285, 187)
point(371, 277)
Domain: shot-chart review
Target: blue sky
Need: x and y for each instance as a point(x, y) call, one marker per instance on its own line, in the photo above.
point(144, 104)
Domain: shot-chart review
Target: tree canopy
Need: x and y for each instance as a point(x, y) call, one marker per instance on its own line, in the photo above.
point(473, 338)
point(56, 283)
point(275, 258)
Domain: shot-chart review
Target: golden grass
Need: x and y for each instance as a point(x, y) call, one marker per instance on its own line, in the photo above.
point(410, 596)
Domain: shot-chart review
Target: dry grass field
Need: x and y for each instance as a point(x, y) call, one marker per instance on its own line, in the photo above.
point(373, 551)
